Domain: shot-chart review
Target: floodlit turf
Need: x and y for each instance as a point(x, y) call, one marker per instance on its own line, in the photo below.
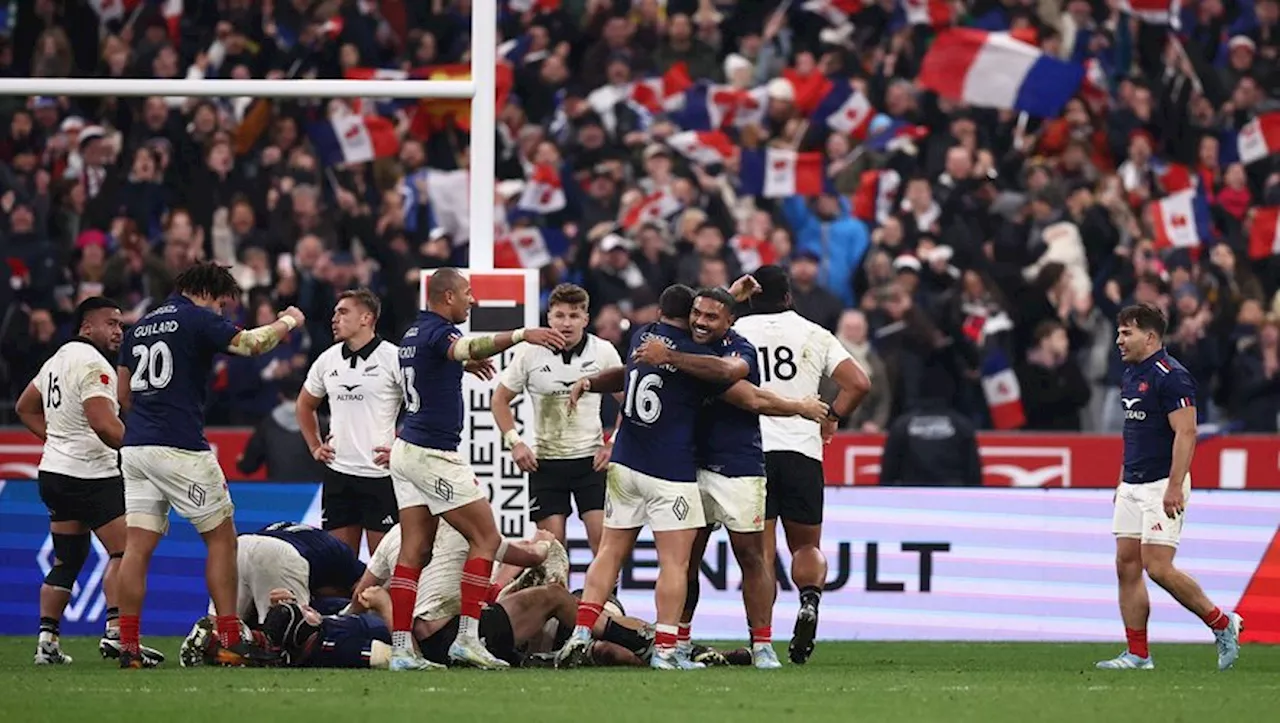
point(910, 682)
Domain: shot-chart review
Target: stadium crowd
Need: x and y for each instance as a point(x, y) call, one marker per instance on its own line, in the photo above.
point(942, 243)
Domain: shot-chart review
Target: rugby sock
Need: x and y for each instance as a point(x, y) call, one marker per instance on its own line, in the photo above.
point(48, 630)
point(588, 614)
point(113, 624)
point(228, 629)
point(129, 627)
point(632, 640)
point(762, 637)
point(665, 637)
point(1137, 642)
point(810, 594)
point(1216, 620)
point(475, 585)
point(403, 589)
point(684, 638)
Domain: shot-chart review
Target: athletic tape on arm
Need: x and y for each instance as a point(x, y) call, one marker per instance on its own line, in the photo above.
point(255, 341)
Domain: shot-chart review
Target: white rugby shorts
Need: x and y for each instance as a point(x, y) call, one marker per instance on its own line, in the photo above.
point(266, 563)
point(1139, 513)
point(159, 478)
point(735, 502)
point(439, 480)
point(633, 499)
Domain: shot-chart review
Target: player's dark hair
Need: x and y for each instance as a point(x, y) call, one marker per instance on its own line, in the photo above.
point(720, 295)
point(1144, 317)
point(365, 298)
point(676, 302)
point(207, 278)
point(286, 628)
point(1045, 329)
point(570, 294)
point(90, 305)
point(775, 286)
point(442, 281)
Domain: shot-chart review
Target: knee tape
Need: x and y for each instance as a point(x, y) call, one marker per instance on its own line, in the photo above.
point(211, 521)
point(70, 553)
point(158, 524)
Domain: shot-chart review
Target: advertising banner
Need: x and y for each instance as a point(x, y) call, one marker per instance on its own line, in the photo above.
point(905, 564)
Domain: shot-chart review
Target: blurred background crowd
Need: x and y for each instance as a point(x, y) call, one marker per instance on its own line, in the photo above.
point(942, 243)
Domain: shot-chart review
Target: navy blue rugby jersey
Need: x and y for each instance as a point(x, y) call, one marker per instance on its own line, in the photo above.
point(1150, 390)
point(432, 384)
point(728, 439)
point(333, 564)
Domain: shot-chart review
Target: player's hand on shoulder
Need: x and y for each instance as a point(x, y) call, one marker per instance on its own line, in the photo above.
point(481, 368)
point(525, 458)
point(652, 352)
point(542, 336)
point(323, 453)
point(382, 456)
point(296, 313)
point(815, 409)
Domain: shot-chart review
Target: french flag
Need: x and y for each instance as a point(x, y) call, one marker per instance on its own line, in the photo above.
point(538, 6)
point(354, 138)
point(845, 110)
point(836, 12)
point(1264, 233)
point(995, 70)
point(521, 248)
point(544, 193)
point(934, 13)
point(657, 207)
point(1260, 138)
point(1004, 394)
point(877, 190)
point(1152, 12)
point(782, 173)
point(1179, 222)
point(665, 93)
point(704, 148)
point(712, 107)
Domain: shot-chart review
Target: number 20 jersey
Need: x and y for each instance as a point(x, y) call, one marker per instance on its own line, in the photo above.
point(660, 410)
point(169, 354)
point(794, 354)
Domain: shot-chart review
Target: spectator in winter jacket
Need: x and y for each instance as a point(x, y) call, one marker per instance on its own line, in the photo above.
point(828, 230)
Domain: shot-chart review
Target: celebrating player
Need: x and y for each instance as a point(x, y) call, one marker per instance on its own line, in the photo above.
point(71, 406)
point(360, 375)
point(571, 454)
point(795, 354)
point(164, 369)
point(731, 476)
point(431, 479)
point(1159, 397)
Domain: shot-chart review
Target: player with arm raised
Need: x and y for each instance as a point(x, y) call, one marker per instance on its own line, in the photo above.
point(71, 406)
point(795, 354)
point(1159, 397)
point(164, 370)
point(431, 479)
point(731, 475)
point(571, 454)
point(360, 376)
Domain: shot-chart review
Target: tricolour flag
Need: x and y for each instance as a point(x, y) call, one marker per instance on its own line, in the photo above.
point(665, 93)
point(171, 10)
point(877, 190)
point(1004, 394)
point(995, 70)
point(836, 12)
point(544, 193)
point(521, 248)
point(353, 138)
point(657, 207)
point(782, 173)
point(845, 110)
point(1260, 138)
point(1177, 221)
point(1153, 12)
point(934, 13)
point(1264, 233)
point(704, 148)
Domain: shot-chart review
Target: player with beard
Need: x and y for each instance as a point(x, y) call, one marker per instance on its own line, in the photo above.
point(71, 407)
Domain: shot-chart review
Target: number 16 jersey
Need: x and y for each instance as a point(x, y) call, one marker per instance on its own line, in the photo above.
point(660, 410)
point(794, 354)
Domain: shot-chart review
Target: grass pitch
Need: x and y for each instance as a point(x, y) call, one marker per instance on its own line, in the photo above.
point(910, 682)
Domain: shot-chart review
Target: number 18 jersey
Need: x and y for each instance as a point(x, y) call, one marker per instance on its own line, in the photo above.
point(169, 354)
point(660, 410)
point(794, 354)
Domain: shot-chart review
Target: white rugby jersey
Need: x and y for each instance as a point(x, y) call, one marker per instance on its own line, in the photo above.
point(439, 595)
point(547, 376)
point(365, 390)
point(795, 354)
point(75, 373)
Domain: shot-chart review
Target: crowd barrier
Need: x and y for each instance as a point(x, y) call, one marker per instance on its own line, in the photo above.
point(918, 564)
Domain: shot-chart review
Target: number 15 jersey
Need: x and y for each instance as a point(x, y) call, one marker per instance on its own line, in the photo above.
point(794, 354)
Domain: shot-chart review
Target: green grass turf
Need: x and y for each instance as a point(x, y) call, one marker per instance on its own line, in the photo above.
point(911, 682)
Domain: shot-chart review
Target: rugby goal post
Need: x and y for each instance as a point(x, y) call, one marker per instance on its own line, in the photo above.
point(479, 90)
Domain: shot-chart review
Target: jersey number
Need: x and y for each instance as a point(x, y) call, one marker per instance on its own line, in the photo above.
point(783, 367)
point(412, 402)
point(54, 399)
point(155, 367)
point(642, 400)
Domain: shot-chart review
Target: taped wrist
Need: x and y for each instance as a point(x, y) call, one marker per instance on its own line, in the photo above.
point(512, 438)
point(70, 553)
point(479, 346)
point(255, 341)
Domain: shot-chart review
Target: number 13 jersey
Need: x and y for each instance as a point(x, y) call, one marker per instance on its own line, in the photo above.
point(169, 354)
point(794, 354)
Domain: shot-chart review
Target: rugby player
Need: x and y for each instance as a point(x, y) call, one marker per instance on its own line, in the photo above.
point(360, 376)
point(569, 453)
point(653, 474)
point(164, 368)
point(71, 407)
point(308, 639)
point(1159, 398)
point(794, 355)
point(431, 479)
